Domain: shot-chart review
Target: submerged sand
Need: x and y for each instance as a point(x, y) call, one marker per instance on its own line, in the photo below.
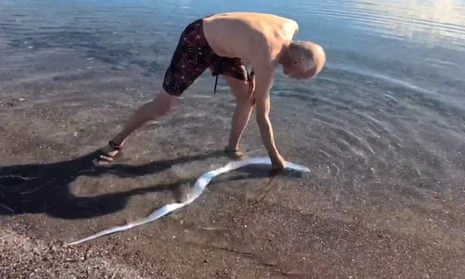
point(359, 214)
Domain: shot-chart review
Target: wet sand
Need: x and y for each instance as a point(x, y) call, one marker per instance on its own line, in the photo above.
point(354, 216)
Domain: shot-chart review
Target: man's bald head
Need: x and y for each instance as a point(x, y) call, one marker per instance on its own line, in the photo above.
point(303, 59)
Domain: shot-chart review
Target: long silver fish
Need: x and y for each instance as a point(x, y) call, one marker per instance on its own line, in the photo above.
point(199, 186)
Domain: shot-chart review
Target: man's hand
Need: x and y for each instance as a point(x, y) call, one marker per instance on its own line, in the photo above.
point(277, 165)
point(278, 162)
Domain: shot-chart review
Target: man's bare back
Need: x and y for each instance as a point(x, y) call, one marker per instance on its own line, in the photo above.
point(252, 37)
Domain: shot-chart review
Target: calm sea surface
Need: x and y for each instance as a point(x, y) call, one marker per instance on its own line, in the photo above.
point(392, 92)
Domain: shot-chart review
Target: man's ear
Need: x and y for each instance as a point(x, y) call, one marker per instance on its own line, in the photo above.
point(296, 60)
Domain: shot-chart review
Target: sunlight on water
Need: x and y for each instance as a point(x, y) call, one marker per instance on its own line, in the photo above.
point(433, 22)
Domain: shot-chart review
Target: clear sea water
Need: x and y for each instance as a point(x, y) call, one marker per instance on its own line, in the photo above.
point(392, 93)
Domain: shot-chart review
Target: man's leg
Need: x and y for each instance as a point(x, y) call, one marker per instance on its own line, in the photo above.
point(242, 93)
point(188, 62)
point(158, 107)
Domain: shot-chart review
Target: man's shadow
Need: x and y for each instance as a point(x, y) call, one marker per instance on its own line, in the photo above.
point(45, 188)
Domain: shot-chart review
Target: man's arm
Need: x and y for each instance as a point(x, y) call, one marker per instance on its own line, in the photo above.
point(264, 80)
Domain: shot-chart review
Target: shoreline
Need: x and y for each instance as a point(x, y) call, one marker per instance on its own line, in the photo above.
point(239, 228)
point(362, 212)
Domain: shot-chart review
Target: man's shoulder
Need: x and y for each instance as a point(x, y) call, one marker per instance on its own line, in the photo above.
point(252, 15)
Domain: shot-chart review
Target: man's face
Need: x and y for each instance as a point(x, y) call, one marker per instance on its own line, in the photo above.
point(297, 70)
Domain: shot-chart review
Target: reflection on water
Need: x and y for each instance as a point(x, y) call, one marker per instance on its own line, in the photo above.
point(430, 21)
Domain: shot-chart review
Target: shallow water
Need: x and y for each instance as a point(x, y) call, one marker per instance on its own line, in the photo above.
point(389, 104)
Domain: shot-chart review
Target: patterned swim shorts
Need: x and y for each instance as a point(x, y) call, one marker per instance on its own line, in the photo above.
point(192, 56)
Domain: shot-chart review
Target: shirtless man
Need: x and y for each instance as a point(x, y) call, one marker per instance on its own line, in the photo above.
point(227, 43)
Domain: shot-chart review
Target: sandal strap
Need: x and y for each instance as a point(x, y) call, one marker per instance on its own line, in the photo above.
point(113, 145)
point(230, 150)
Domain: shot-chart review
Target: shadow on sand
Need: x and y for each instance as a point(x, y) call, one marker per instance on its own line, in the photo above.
point(44, 188)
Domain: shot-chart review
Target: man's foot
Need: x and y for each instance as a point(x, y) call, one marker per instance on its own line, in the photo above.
point(233, 153)
point(108, 154)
